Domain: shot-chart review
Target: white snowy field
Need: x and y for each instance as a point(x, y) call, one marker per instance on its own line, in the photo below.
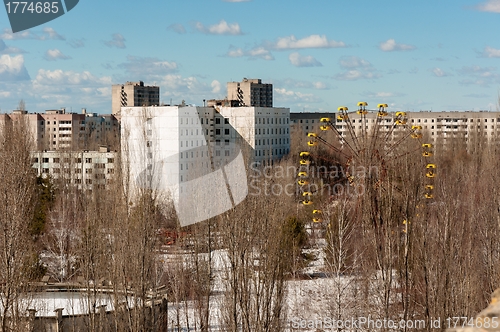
point(310, 298)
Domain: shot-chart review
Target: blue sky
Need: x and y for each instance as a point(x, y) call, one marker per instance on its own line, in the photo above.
point(418, 55)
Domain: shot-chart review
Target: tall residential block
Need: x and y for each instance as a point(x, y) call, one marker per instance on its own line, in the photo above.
point(133, 94)
point(436, 127)
point(198, 155)
point(251, 92)
point(60, 130)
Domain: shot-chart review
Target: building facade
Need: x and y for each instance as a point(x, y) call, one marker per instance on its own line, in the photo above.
point(59, 130)
point(251, 92)
point(83, 169)
point(266, 130)
point(307, 121)
point(198, 155)
point(133, 94)
point(435, 126)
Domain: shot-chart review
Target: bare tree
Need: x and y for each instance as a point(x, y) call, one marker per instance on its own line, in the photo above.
point(17, 190)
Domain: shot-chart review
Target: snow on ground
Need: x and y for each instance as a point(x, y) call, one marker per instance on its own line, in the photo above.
point(309, 298)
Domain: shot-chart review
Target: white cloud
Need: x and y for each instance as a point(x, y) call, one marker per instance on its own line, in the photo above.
point(63, 78)
point(300, 84)
point(354, 62)
point(357, 68)
point(221, 28)
point(303, 61)
point(178, 83)
point(312, 41)
point(482, 76)
point(492, 6)
point(4, 49)
point(12, 68)
point(117, 41)
point(47, 34)
point(177, 27)
point(320, 85)
point(477, 71)
point(77, 43)
point(235, 53)
point(382, 94)
point(261, 53)
point(288, 43)
point(151, 68)
point(290, 96)
point(391, 45)
point(490, 52)
point(354, 75)
point(176, 87)
point(55, 54)
point(215, 86)
point(9, 35)
point(254, 53)
point(438, 72)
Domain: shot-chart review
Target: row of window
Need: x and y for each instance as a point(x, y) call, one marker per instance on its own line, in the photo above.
point(186, 154)
point(185, 132)
point(218, 142)
point(273, 141)
point(186, 144)
point(107, 123)
point(186, 121)
point(260, 153)
point(414, 120)
point(77, 171)
point(273, 121)
point(76, 160)
point(218, 131)
point(439, 133)
point(278, 131)
point(217, 120)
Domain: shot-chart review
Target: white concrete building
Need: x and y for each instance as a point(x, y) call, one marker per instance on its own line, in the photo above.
point(84, 169)
point(265, 129)
point(436, 126)
point(59, 130)
point(196, 154)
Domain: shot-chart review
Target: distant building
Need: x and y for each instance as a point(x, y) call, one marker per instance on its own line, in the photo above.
point(197, 155)
point(175, 128)
point(265, 129)
point(251, 92)
point(435, 126)
point(307, 121)
point(59, 130)
point(84, 169)
point(133, 94)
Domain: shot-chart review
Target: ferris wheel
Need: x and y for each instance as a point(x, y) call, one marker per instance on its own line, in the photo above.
point(362, 153)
